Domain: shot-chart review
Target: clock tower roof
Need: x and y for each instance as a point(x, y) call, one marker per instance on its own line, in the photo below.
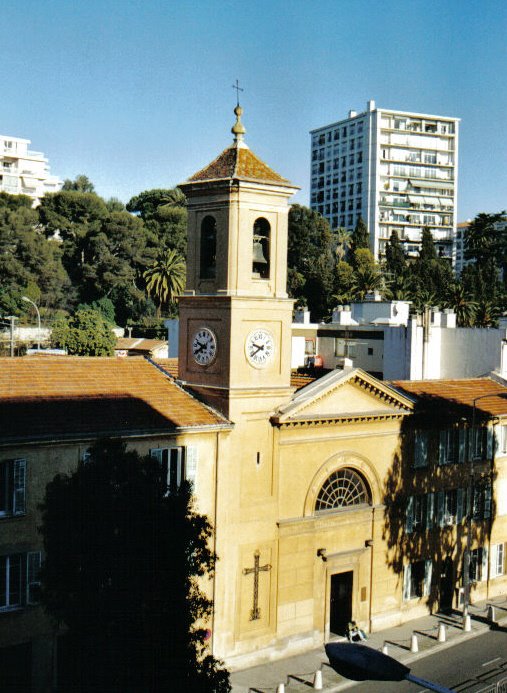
point(238, 162)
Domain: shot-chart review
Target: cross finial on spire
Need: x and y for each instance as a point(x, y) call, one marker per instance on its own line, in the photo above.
point(238, 89)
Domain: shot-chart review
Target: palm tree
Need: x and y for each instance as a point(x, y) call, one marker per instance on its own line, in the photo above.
point(165, 279)
point(462, 304)
point(342, 238)
point(486, 314)
point(366, 279)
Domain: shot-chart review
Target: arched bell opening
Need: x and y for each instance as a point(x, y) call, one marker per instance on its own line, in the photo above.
point(261, 249)
point(208, 250)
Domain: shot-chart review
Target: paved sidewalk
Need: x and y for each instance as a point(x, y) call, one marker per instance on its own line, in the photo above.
point(297, 673)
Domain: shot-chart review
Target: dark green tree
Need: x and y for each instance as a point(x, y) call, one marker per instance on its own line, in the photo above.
point(432, 277)
point(86, 333)
point(310, 260)
point(80, 183)
point(396, 262)
point(126, 559)
point(165, 279)
point(360, 237)
point(164, 213)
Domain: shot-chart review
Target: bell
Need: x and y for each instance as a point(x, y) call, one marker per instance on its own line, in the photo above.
point(258, 255)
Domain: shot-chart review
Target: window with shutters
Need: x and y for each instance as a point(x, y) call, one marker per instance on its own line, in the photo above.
point(479, 564)
point(178, 464)
point(417, 579)
point(481, 506)
point(12, 488)
point(420, 512)
point(497, 560)
point(452, 445)
point(450, 506)
point(19, 580)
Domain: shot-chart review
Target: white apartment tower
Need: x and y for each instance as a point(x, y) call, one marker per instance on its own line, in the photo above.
point(24, 172)
point(396, 170)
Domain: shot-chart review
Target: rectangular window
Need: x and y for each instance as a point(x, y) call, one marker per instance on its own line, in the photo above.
point(177, 464)
point(417, 580)
point(497, 560)
point(19, 579)
point(450, 507)
point(452, 445)
point(419, 516)
point(481, 506)
point(12, 488)
point(479, 564)
point(345, 348)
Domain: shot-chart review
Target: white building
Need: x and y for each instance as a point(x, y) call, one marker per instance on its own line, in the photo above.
point(381, 338)
point(24, 172)
point(396, 170)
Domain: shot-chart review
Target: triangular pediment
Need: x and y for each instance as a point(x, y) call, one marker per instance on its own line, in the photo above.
point(351, 394)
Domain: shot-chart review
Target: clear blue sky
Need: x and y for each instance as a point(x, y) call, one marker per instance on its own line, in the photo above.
point(137, 94)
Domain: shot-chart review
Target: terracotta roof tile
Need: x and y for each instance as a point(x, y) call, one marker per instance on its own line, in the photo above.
point(169, 366)
point(68, 396)
point(238, 162)
point(461, 392)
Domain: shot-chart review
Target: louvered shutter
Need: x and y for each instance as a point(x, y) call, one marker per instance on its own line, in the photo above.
point(440, 508)
point(33, 565)
point(490, 439)
point(487, 500)
point(430, 511)
point(406, 582)
point(462, 445)
point(409, 520)
point(442, 447)
point(428, 570)
point(460, 512)
point(191, 461)
point(421, 449)
point(484, 563)
point(19, 487)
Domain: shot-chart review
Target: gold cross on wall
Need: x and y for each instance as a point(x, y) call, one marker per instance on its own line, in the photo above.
point(255, 614)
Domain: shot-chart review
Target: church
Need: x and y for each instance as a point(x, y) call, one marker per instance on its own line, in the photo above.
point(304, 539)
point(334, 499)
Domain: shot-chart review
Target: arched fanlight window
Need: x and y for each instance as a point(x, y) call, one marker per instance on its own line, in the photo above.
point(208, 256)
point(261, 250)
point(342, 489)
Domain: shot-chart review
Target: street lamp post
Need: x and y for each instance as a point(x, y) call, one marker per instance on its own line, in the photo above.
point(470, 504)
point(29, 300)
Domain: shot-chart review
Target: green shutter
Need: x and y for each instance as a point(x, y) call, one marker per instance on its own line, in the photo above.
point(442, 447)
point(484, 566)
point(487, 500)
point(430, 511)
point(490, 440)
point(460, 512)
point(428, 569)
point(191, 460)
point(421, 449)
point(406, 582)
point(462, 445)
point(19, 487)
point(440, 508)
point(409, 521)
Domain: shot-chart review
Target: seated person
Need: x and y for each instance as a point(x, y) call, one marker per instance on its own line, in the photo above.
point(354, 633)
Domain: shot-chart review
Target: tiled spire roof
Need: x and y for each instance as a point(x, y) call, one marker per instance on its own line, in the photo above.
point(238, 162)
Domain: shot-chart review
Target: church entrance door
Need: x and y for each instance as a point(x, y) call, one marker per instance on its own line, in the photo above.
point(340, 612)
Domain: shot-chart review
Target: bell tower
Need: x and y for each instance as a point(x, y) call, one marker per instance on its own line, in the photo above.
point(235, 315)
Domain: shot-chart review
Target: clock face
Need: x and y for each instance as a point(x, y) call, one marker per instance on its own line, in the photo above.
point(259, 347)
point(204, 347)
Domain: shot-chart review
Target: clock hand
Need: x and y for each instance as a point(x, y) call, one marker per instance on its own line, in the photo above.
point(258, 347)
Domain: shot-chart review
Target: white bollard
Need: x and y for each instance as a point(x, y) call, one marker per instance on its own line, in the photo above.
point(441, 632)
point(467, 625)
point(385, 648)
point(317, 680)
point(491, 613)
point(414, 645)
point(281, 688)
